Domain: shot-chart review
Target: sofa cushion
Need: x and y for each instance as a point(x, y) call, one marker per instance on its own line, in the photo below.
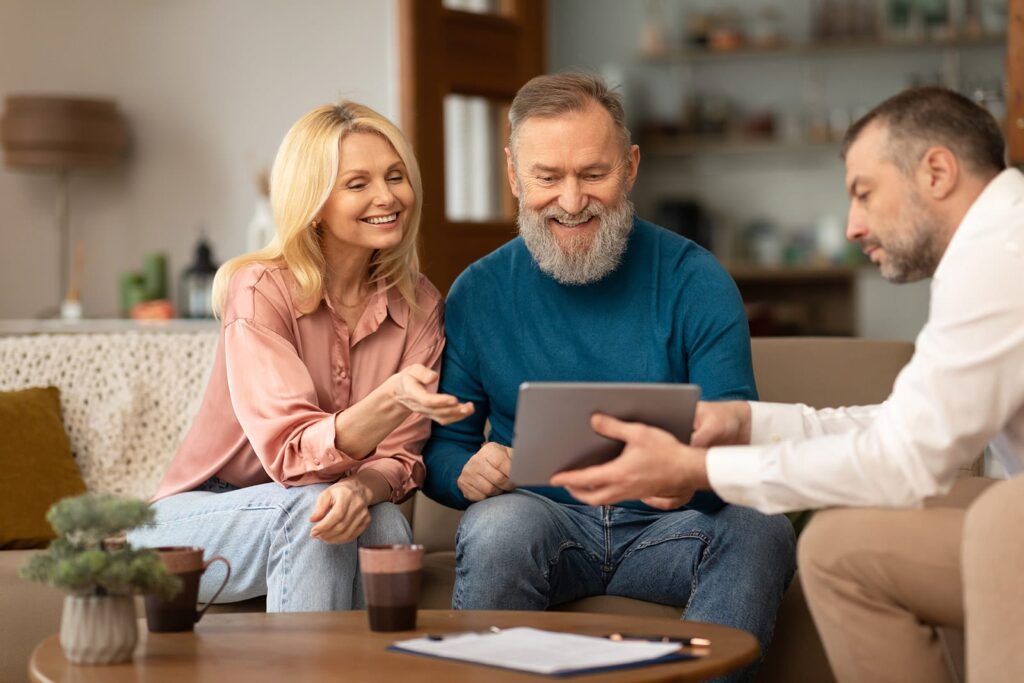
point(35, 457)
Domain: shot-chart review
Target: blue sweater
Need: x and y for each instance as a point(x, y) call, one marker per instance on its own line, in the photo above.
point(668, 313)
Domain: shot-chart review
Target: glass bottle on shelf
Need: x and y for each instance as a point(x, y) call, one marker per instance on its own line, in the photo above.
point(196, 287)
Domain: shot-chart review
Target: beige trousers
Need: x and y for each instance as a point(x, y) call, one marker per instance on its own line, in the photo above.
point(880, 581)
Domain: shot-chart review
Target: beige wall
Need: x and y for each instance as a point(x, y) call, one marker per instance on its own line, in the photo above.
point(209, 87)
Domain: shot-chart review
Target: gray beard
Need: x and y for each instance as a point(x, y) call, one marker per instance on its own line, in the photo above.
point(582, 259)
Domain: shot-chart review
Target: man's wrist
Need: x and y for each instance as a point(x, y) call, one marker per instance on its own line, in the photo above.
point(697, 468)
point(746, 423)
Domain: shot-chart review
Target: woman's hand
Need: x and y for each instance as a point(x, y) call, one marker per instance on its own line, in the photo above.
point(409, 387)
point(342, 512)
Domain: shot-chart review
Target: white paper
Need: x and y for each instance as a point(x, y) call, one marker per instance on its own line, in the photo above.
point(537, 651)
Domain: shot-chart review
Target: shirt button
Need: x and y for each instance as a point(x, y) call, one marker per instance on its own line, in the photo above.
point(317, 463)
point(776, 438)
point(344, 374)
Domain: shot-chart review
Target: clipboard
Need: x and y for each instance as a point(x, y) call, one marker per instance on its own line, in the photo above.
point(545, 653)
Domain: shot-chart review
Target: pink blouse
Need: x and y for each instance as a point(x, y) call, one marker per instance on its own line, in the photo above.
point(280, 377)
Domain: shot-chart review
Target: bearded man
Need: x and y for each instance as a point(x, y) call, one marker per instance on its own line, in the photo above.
point(930, 196)
point(589, 292)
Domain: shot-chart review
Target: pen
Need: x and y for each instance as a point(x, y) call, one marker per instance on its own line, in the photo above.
point(444, 636)
point(687, 642)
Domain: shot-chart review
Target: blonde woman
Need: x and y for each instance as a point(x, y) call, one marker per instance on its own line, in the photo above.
point(324, 382)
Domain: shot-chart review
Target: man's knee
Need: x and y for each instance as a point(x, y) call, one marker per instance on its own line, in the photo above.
point(993, 553)
point(767, 541)
point(992, 543)
point(503, 523)
point(836, 538)
point(996, 517)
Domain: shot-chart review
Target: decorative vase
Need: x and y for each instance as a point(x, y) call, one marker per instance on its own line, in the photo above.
point(98, 629)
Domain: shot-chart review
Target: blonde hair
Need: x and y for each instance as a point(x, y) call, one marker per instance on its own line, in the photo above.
point(303, 177)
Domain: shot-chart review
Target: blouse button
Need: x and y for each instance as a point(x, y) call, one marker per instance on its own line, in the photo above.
point(317, 463)
point(344, 374)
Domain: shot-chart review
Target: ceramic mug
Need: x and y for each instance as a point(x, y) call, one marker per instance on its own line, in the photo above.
point(391, 582)
point(181, 613)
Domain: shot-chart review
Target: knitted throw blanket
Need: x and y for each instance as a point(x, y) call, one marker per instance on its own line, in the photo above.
point(127, 398)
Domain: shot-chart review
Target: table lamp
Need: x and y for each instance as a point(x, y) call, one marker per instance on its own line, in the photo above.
point(60, 134)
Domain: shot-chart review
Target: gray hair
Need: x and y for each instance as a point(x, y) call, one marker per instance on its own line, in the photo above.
point(556, 94)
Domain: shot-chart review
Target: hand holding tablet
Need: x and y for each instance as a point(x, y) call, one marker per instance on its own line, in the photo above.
point(553, 430)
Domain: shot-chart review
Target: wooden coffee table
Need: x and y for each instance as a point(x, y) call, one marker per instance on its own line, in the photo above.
point(332, 646)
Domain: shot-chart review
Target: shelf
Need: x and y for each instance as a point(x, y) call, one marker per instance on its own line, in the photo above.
point(754, 273)
point(102, 325)
point(683, 146)
point(867, 46)
point(798, 300)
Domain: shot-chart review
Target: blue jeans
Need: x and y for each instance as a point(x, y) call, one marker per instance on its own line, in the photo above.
point(522, 551)
point(263, 531)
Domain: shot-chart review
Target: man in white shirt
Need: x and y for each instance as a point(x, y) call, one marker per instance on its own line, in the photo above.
point(930, 196)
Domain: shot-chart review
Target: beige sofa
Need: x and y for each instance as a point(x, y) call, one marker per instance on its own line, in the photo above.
point(169, 369)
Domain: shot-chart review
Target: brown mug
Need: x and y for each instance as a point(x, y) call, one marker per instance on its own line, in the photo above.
point(181, 612)
point(391, 581)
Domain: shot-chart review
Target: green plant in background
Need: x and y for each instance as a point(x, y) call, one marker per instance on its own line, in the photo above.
point(89, 558)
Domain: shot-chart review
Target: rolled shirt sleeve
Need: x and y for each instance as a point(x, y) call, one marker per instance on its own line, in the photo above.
point(399, 458)
point(274, 399)
point(963, 385)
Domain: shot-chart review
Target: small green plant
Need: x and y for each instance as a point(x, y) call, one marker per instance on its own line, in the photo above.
point(87, 558)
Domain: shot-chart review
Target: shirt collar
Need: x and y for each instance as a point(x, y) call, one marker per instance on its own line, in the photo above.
point(382, 302)
point(1002, 192)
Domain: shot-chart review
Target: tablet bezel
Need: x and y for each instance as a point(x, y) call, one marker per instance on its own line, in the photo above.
point(552, 428)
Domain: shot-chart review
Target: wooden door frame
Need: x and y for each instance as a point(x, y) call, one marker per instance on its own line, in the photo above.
point(447, 51)
point(1015, 82)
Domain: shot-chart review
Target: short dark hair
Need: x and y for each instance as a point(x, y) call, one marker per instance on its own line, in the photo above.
point(556, 94)
point(919, 118)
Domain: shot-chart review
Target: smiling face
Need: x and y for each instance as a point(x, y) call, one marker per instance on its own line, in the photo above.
point(368, 208)
point(572, 177)
point(889, 216)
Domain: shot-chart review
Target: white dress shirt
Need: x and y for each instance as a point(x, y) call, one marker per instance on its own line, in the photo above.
point(963, 388)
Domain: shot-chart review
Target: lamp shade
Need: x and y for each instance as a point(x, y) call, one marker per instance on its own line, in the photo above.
point(61, 132)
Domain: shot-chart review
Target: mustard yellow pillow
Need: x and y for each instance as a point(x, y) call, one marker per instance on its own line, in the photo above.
point(36, 467)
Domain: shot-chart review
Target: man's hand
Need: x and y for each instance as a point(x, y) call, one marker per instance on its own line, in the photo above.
point(653, 467)
point(486, 473)
point(721, 423)
point(342, 512)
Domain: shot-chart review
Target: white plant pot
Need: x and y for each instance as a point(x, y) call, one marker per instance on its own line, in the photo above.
point(98, 629)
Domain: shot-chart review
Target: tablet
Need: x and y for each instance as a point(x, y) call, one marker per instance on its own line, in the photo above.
point(553, 432)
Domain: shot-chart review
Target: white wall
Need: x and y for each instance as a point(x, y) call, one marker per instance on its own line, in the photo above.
point(208, 87)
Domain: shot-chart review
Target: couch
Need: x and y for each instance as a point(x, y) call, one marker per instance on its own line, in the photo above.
point(127, 397)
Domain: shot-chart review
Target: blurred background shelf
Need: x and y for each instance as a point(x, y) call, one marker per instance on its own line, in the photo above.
point(669, 146)
point(15, 326)
point(798, 300)
point(823, 49)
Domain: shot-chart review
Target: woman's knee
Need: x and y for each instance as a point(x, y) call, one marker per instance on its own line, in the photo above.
point(387, 525)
